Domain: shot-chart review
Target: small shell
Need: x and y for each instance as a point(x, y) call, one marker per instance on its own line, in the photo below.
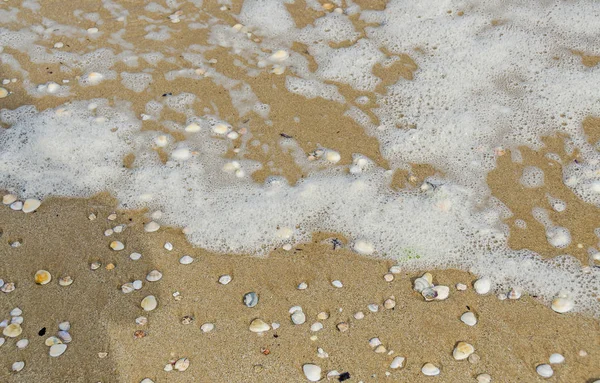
point(312, 372)
point(398, 362)
point(182, 364)
point(64, 326)
point(149, 303)
point(302, 286)
point(95, 265)
point(484, 378)
point(421, 284)
point(462, 351)
point(337, 284)
point(380, 349)
point(17, 205)
point(429, 294)
point(127, 288)
point(373, 307)
point(13, 330)
point(544, 370)
point(389, 303)
point(469, 318)
point(429, 369)
point(16, 312)
point(374, 342)
point(50, 341)
point(298, 317)
point(343, 326)
point(154, 276)
point(483, 285)
point(30, 205)
point(359, 315)
point(65, 281)
point(207, 327)
point(322, 315)
point(258, 325)
point(317, 326)
point(135, 256)
point(18, 366)
point(442, 292)
point(117, 245)
point(251, 299)
point(556, 359)
point(562, 304)
point(17, 320)
point(21, 344)
point(225, 279)
point(8, 199)
point(42, 277)
point(137, 284)
point(151, 227)
point(515, 293)
point(65, 336)
point(142, 321)
point(388, 277)
point(395, 269)
point(186, 260)
point(57, 349)
point(8, 287)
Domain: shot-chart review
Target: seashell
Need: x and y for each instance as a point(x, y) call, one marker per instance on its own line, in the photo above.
point(16, 312)
point(429, 369)
point(343, 326)
point(207, 327)
point(9, 199)
point(461, 287)
point(388, 277)
point(8, 287)
point(556, 359)
point(142, 321)
point(421, 284)
point(442, 292)
point(515, 293)
point(562, 304)
point(225, 279)
point(127, 288)
point(428, 277)
point(474, 358)
point(317, 326)
point(501, 296)
point(337, 284)
point(186, 260)
point(65, 281)
point(302, 286)
point(192, 128)
point(373, 307)
point(65, 336)
point(17, 205)
point(359, 315)
point(13, 330)
point(220, 128)
point(312, 372)
point(168, 246)
point(469, 318)
point(429, 294)
point(544, 370)
point(251, 299)
point(321, 353)
point(462, 351)
point(298, 317)
point(380, 349)
point(118, 229)
point(258, 325)
point(168, 367)
point(135, 256)
point(398, 362)
point(18, 366)
point(389, 303)
point(2, 340)
point(484, 378)
point(16, 320)
point(333, 156)
point(182, 364)
point(21, 344)
point(64, 326)
point(149, 303)
point(374, 342)
point(95, 265)
point(154, 276)
point(279, 56)
point(30, 205)
point(483, 285)
point(137, 284)
point(322, 315)
point(42, 277)
point(363, 247)
point(117, 245)
point(147, 380)
point(57, 350)
point(395, 269)
point(151, 227)
point(52, 341)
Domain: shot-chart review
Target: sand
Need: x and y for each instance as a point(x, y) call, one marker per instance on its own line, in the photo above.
point(511, 338)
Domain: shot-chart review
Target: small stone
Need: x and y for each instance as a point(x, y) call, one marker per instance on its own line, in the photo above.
point(182, 364)
point(224, 279)
point(57, 349)
point(343, 326)
point(149, 303)
point(18, 366)
point(117, 245)
point(31, 205)
point(151, 227)
point(135, 256)
point(154, 276)
point(13, 330)
point(398, 362)
point(22, 343)
point(337, 284)
point(207, 327)
point(258, 326)
point(462, 351)
point(388, 277)
point(484, 378)
point(429, 369)
point(251, 299)
point(556, 359)
point(312, 372)
point(65, 281)
point(42, 277)
point(483, 286)
point(298, 317)
point(544, 370)
point(64, 326)
point(469, 318)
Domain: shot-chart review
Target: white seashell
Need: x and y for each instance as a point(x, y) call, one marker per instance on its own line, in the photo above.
point(302, 286)
point(380, 349)
point(220, 128)
point(117, 245)
point(193, 128)
point(42, 277)
point(337, 284)
point(8, 287)
point(442, 292)
point(149, 303)
point(501, 296)
point(154, 276)
point(373, 307)
point(16, 320)
point(388, 277)
point(275, 326)
point(556, 359)
point(562, 304)
point(321, 353)
point(207, 327)
point(461, 287)
point(483, 285)
point(298, 317)
point(333, 374)
point(31, 205)
point(251, 299)
point(16, 312)
point(135, 256)
point(421, 284)
point(17, 205)
point(312, 372)
point(469, 318)
point(151, 227)
point(112, 216)
point(333, 156)
point(322, 315)
point(127, 288)
point(398, 362)
point(182, 364)
point(429, 294)
point(389, 303)
point(514, 293)
point(57, 349)
point(181, 154)
point(544, 370)
point(279, 56)
point(13, 330)
point(65, 281)
point(52, 341)
point(186, 260)
point(359, 315)
point(64, 326)
point(462, 351)
point(9, 199)
point(484, 378)
point(224, 279)
point(430, 369)
point(374, 342)
point(118, 229)
point(395, 269)
point(363, 247)
point(317, 326)
point(168, 246)
point(258, 325)
point(21, 344)
point(65, 336)
point(142, 321)
point(147, 380)
point(18, 366)
point(168, 367)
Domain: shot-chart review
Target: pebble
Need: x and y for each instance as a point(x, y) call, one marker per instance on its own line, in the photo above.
point(429, 369)
point(13, 330)
point(135, 256)
point(556, 359)
point(337, 284)
point(469, 318)
point(398, 362)
point(251, 299)
point(21, 344)
point(544, 370)
point(154, 276)
point(18, 366)
point(225, 279)
point(312, 372)
point(186, 260)
point(483, 285)
point(57, 349)
point(258, 325)
point(484, 378)
point(65, 281)
point(149, 303)
point(117, 245)
point(298, 317)
point(31, 205)
point(9, 199)
point(463, 350)
point(151, 227)
point(207, 327)
point(182, 364)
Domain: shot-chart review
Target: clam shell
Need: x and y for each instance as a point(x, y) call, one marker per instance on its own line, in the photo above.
point(398, 362)
point(16, 312)
point(429, 369)
point(65, 336)
point(50, 341)
point(154, 276)
point(556, 359)
point(224, 279)
point(149, 303)
point(8, 287)
point(389, 303)
point(484, 378)
point(31, 205)
point(8, 199)
point(186, 260)
point(64, 326)
point(469, 318)
point(429, 294)
point(127, 288)
point(151, 227)
point(18, 366)
point(182, 364)
point(207, 327)
point(17, 320)
point(57, 349)
point(21, 344)
point(562, 304)
point(483, 285)
point(13, 330)
point(442, 292)
point(147, 380)
point(65, 281)
point(250, 299)
point(421, 284)
point(544, 370)
point(258, 325)
point(312, 372)
point(317, 326)
point(322, 315)
point(117, 245)
point(298, 317)
point(42, 277)
point(137, 284)
point(462, 351)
